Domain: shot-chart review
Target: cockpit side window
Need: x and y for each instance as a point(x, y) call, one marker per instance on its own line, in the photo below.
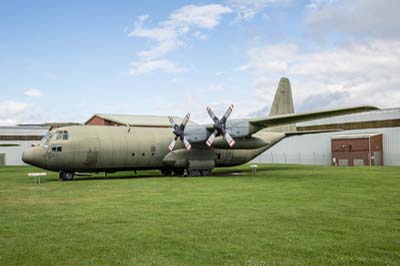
point(65, 135)
point(56, 148)
point(59, 135)
point(46, 139)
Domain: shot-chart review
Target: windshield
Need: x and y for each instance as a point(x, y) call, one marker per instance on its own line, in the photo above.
point(46, 138)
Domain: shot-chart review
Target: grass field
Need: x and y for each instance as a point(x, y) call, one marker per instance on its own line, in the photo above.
point(283, 215)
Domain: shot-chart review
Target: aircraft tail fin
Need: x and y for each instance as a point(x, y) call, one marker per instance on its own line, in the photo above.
point(283, 100)
point(283, 105)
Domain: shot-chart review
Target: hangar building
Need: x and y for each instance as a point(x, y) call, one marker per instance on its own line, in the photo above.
point(15, 139)
point(317, 148)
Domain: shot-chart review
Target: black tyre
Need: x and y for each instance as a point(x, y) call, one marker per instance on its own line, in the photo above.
point(166, 172)
point(68, 176)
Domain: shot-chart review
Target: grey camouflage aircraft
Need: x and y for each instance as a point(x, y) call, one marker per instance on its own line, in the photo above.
point(195, 149)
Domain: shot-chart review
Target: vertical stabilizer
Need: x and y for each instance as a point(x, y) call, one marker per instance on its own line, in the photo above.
point(283, 101)
point(282, 105)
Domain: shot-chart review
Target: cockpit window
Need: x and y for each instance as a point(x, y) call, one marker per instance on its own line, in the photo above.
point(47, 138)
point(56, 148)
point(62, 134)
point(65, 135)
point(59, 134)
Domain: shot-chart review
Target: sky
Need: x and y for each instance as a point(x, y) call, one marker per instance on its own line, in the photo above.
point(63, 61)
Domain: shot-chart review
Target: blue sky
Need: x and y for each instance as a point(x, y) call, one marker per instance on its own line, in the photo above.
point(66, 60)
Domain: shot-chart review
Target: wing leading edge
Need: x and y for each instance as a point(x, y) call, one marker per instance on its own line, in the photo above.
point(303, 117)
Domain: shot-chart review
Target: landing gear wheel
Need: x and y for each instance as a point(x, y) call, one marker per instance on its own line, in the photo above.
point(206, 172)
point(179, 172)
point(167, 172)
point(194, 173)
point(66, 176)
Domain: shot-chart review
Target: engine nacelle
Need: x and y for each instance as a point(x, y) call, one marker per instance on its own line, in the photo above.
point(239, 128)
point(195, 134)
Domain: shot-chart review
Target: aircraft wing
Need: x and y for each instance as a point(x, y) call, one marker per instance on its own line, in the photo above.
point(302, 117)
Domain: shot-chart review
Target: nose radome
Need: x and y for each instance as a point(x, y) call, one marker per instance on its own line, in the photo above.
point(27, 155)
point(33, 156)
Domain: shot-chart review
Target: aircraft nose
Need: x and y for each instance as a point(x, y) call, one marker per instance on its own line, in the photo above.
point(33, 156)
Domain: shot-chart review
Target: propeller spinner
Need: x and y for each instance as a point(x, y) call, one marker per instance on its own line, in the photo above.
point(220, 127)
point(178, 131)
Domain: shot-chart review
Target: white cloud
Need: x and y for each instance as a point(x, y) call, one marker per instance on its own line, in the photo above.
point(169, 34)
point(357, 73)
point(155, 65)
point(10, 111)
point(247, 9)
point(199, 35)
point(33, 92)
point(357, 18)
point(206, 16)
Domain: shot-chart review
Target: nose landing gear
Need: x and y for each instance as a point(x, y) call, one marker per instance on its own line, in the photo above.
point(66, 176)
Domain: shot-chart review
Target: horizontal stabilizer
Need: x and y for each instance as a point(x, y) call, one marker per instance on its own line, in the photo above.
point(303, 117)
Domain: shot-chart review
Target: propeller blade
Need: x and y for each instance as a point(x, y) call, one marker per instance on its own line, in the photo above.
point(172, 145)
point(187, 144)
point(172, 121)
point(186, 119)
point(227, 113)
point(229, 139)
point(212, 114)
point(211, 138)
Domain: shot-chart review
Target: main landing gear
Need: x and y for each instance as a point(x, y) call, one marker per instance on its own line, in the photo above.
point(185, 172)
point(66, 176)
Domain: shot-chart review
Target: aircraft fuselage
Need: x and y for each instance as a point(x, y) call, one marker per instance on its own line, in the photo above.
point(108, 148)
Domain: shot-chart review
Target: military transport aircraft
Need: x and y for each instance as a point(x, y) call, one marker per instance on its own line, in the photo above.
point(195, 149)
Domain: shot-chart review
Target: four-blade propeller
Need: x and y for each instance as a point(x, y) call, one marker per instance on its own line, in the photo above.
point(220, 127)
point(178, 131)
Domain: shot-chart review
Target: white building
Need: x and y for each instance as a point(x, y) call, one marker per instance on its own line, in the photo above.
point(14, 140)
point(316, 148)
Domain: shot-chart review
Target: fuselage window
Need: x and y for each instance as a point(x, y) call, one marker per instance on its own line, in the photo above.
point(65, 135)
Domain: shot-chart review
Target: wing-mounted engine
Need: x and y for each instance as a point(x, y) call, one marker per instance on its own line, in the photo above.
point(196, 134)
point(220, 127)
point(179, 132)
point(187, 133)
point(238, 128)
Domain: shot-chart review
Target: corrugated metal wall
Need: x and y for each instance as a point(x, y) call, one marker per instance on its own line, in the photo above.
point(13, 153)
point(316, 148)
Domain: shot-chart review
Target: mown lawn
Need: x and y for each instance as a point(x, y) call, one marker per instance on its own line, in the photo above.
point(283, 215)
